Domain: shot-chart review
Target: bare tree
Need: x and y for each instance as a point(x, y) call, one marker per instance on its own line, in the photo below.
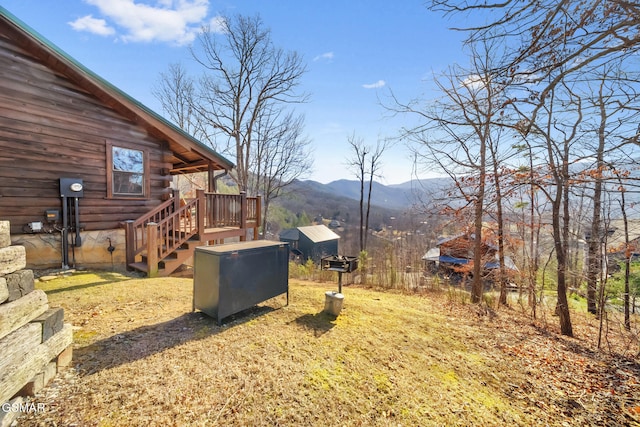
point(551, 39)
point(358, 164)
point(246, 78)
point(280, 155)
point(531, 207)
point(240, 105)
point(459, 133)
point(375, 164)
point(176, 91)
point(558, 130)
point(365, 162)
point(627, 246)
point(550, 43)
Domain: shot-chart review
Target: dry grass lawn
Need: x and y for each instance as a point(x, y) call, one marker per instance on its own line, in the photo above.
point(142, 358)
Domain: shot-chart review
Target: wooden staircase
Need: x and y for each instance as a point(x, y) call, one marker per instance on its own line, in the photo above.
point(172, 261)
point(162, 240)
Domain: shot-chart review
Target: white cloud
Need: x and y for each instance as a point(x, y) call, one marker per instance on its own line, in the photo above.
point(376, 85)
point(328, 56)
point(217, 24)
point(172, 21)
point(474, 82)
point(92, 25)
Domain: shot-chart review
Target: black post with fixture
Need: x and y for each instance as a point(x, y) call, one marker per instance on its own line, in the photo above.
point(71, 190)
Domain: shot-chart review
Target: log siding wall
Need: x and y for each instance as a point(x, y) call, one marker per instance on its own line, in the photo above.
point(52, 128)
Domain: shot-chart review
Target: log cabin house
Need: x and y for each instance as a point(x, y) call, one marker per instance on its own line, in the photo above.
point(453, 256)
point(86, 170)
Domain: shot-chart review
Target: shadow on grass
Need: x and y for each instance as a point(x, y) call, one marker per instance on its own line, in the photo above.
point(145, 341)
point(319, 323)
point(107, 279)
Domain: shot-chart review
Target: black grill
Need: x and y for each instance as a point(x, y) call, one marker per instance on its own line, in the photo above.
point(341, 264)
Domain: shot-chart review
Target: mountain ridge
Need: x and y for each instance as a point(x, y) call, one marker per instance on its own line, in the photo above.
point(394, 196)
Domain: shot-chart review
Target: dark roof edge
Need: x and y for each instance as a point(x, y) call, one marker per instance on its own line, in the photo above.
point(108, 86)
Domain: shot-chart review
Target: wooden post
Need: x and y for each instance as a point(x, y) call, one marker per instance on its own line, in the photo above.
point(211, 175)
point(130, 243)
point(243, 215)
point(176, 200)
point(258, 217)
point(201, 211)
point(152, 249)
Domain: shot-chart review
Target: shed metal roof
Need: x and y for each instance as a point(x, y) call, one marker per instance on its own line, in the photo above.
point(315, 233)
point(318, 233)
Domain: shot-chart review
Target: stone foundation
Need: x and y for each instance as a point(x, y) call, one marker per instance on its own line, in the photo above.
point(44, 250)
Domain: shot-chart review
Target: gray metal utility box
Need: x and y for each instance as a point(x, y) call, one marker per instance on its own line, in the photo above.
point(233, 277)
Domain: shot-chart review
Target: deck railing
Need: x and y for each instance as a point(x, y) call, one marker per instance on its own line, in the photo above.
point(230, 210)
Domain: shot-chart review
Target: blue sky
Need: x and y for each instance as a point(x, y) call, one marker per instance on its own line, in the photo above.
point(355, 51)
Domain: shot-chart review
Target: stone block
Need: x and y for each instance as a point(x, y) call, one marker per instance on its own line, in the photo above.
point(19, 283)
point(52, 322)
point(18, 344)
point(16, 313)
point(4, 290)
point(50, 372)
point(33, 386)
point(33, 363)
point(12, 258)
point(65, 357)
point(5, 234)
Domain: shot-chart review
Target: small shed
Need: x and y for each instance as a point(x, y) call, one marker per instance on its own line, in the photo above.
point(311, 242)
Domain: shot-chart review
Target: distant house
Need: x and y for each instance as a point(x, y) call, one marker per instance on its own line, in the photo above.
point(311, 242)
point(615, 240)
point(85, 168)
point(615, 237)
point(455, 254)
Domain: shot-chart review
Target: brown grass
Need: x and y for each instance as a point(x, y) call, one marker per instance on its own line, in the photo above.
point(143, 358)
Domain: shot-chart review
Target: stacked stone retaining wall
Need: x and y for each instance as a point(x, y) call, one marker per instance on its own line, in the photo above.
point(35, 343)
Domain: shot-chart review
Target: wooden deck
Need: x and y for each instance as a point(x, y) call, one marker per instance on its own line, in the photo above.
point(160, 241)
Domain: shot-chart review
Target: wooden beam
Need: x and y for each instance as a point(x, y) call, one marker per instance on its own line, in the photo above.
point(14, 378)
point(19, 343)
point(16, 313)
point(190, 166)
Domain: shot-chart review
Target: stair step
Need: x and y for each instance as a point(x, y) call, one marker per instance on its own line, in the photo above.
point(142, 266)
point(193, 242)
point(169, 264)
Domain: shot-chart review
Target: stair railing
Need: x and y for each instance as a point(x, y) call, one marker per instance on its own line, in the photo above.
point(136, 235)
point(176, 229)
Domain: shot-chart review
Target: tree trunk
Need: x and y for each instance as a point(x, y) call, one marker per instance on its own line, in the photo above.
point(560, 234)
point(594, 261)
point(627, 259)
point(502, 276)
point(476, 286)
point(366, 221)
point(562, 305)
